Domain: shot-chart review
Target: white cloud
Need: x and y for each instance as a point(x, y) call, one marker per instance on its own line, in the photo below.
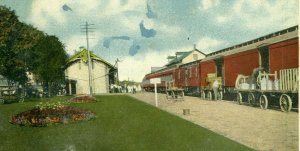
point(168, 29)
point(131, 22)
point(207, 44)
point(86, 5)
point(73, 43)
point(114, 7)
point(42, 12)
point(136, 67)
point(208, 4)
point(281, 13)
point(258, 14)
point(76, 41)
point(222, 19)
point(184, 48)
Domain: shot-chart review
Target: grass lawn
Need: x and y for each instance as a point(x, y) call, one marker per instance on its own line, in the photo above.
point(122, 123)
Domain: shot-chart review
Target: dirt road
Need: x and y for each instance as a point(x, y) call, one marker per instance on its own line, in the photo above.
point(253, 127)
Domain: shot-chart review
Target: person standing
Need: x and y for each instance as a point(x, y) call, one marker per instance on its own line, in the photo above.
point(215, 88)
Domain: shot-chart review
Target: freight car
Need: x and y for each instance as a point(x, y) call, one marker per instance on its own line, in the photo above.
point(187, 77)
point(166, 75)
point(271, 65)
point(263, 72)
point(275, 82)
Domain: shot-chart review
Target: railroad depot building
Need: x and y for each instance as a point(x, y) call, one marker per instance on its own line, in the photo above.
point(185, 57)
point(77, 74)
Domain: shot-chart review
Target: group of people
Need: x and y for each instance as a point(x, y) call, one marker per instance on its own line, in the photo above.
point(125, 89)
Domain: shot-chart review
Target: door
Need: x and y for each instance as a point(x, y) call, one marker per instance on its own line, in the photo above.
point(264, 58)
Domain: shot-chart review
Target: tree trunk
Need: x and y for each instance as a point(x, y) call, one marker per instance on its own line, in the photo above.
point(49, 89)
point(45, 88)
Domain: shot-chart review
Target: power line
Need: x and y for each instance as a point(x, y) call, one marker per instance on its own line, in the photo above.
point(111, 72)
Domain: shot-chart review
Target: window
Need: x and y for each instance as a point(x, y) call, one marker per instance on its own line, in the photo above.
point(178, 74)
point(79, 65)
point(186, 72)
point(195, 56)
point(196, 72)
point(190, 72)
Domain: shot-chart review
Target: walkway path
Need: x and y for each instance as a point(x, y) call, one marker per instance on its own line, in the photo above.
point(254, 127)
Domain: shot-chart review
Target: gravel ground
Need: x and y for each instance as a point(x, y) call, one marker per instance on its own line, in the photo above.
point(251, 126)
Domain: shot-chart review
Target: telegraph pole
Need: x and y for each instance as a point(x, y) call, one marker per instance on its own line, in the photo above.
point(87, 30)
point(117, 70)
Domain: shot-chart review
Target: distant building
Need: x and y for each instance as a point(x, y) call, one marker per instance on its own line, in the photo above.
point(185, 57)
point(3, 83)
point(77, 73)
point(182, 57)
point(32, 87)
point(153, 69)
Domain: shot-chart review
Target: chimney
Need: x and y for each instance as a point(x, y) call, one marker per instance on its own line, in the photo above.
point(170, 58)
point(81, 48)
point(195, 47)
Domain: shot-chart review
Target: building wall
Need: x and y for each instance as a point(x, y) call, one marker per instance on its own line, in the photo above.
point(176, 77)
point(194, 76)
point(241, 63)
point(284, 55)
point(100, 78)
point(190, 57)
point(180, 76)
point(79, 71)
point(190, 76)
point(206, 67)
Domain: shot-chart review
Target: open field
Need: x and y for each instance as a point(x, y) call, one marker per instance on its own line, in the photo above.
point(122, 123)
point(251, 126)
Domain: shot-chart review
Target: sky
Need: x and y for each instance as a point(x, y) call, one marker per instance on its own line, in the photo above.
point(142, 33)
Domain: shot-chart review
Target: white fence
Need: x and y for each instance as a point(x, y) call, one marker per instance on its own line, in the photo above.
point(289, 79)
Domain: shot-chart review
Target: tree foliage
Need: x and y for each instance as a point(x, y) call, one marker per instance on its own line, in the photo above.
point(23, 49)
point(11, 66)
point(50, 58)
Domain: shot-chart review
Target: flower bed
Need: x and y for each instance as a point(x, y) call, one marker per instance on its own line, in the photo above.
point(45, 114)
point(82, 99)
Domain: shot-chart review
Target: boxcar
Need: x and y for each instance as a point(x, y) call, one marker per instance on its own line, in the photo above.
point(188, 78)
point(262, 72)
point(265, 72)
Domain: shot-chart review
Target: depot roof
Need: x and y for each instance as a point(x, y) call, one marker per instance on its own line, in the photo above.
point(83, 55)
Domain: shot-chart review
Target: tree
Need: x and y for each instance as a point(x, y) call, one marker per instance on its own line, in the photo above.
point(51, 58)
point(11, 66)
point(27, 39)
point(23, 49)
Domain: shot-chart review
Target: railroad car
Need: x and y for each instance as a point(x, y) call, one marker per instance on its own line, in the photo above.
point(262, 72)
point(165, 74)
point(188, 78)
